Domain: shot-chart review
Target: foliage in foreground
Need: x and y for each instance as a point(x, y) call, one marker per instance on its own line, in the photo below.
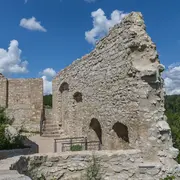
point(3, 118)
point(93, 171)
point(5, 144)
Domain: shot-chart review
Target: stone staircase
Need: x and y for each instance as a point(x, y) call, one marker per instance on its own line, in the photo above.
point(7, 174)
point(12, 175)
point(50, 128)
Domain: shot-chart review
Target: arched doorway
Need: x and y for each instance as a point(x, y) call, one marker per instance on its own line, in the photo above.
point(121, 131)
point(96, 126)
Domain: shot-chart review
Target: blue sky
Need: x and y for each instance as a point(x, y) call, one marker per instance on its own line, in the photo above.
point(65, 22)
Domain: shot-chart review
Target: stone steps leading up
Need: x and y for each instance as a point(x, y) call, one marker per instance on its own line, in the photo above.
point(12, 175)
point(50, 125)
point(50, 129)
point(51, 132)
point(49, 122)
point(6, 174)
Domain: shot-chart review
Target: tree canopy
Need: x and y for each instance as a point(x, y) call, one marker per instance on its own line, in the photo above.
point(172, 105)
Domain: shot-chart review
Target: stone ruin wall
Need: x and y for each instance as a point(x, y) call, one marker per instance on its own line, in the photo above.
point(110, 165)
point(119, 82)
point(23, 100)
point(3, 91)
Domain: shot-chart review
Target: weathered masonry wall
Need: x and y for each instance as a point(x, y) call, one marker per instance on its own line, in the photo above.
point(23, 100)
point(111, 165)
point(3, 91)
point(115, 94)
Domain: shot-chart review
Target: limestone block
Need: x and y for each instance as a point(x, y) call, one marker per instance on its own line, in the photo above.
point(173, 152)
point(163, 126)
point(11, 133)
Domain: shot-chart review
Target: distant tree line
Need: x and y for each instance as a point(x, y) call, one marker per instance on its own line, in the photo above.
point(47, 101)
point(172, 105)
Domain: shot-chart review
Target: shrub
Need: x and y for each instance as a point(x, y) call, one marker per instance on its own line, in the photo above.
point(172, 106)
point(3, 118)
point(47, 101)
point(76, 148)
point(6, 144)
point(169, 178)
point(93, 170)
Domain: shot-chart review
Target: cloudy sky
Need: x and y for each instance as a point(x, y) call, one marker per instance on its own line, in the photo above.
point(38, 38)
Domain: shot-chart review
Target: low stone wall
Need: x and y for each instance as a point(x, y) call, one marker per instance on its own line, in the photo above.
point(16, 152)
point(112, 165)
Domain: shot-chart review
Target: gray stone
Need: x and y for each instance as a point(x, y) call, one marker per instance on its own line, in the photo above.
point(11, 133)
point(163, 126)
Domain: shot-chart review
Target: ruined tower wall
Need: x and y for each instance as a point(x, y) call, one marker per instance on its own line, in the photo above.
point(119, 82)
point(3, 91)
point(25, 102)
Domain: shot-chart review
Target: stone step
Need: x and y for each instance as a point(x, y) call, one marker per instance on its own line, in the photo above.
point(6, 163)
point(49, 122)
point(48, 119)
point(12, 175)
point(50, 129)
point(3, 172)
point(50, 132)
point(50, 125)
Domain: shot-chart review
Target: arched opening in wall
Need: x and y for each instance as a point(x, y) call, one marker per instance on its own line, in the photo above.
point(121, 131)
point(96, 126)
point(64, 87)
point(78, 96)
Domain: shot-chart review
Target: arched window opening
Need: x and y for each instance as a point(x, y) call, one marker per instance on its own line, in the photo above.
point(64, 87)
point(121, 131)
point(78, 96)
point(95, 125)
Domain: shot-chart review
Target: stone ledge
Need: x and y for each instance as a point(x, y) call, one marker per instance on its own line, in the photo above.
point(102, 152)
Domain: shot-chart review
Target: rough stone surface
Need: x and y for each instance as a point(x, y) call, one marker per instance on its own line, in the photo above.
point(3, 91)
point(11, 133)
point(23, 100)
point(119, 82)
point(7, 174)
point(115, 95)
point(112, 165)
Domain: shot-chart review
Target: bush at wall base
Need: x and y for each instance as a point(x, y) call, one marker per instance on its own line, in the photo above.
point(5, 142)
point(168, 178)
point(76, 148)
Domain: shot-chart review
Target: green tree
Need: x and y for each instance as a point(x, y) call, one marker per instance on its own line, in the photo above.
point(172, 106)
point(47, 100)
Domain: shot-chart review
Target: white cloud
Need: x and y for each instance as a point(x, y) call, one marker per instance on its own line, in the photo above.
point(25, 1)
point(49, 72)
point(172, 79)
point(101, 24)
point(48, 75)
point(32, 24)
point(10, 60)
